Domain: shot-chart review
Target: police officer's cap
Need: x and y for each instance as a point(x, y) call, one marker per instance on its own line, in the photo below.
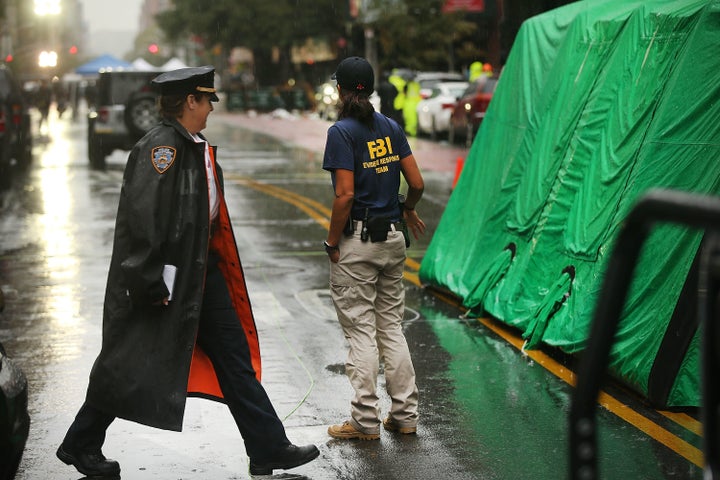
point(185, 81)
point(355, 74)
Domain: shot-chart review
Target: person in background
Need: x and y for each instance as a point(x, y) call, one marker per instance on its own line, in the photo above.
point(366, 153)
point(61, 97)
point(487, 70)
point(399, 103)
point(43, 99)
point(177, 317)
point(388, 94)
point(412, 98)
point(475, 71)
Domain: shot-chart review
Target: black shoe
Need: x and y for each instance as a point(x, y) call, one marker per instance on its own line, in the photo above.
point(287, 457)
point(90, 464)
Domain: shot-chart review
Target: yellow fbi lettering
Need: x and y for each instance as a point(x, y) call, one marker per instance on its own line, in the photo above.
point(381, 154)
point(379, 147)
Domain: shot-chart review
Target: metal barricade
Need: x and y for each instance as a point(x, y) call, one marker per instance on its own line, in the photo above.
point(702, 212)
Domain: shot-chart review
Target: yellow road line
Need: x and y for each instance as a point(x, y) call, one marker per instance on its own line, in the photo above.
point(305, 204)
point(281, 192)
point(652, 429)
point(684, 420)
point(613, 405)
point(320, 213)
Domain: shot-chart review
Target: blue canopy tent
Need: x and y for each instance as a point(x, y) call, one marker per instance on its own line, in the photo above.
point(103, 62)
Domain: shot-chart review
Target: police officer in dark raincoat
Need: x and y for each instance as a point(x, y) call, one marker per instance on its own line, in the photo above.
point(177, 318)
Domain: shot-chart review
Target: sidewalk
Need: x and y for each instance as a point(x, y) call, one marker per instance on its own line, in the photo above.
point(308, 131)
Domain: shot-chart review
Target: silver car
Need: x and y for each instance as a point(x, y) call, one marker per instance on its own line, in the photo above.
point(435, 110)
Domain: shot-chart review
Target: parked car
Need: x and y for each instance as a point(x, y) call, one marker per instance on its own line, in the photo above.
point(470, 109)
point(427, 80)
point(434, 111)
point(15, 131)
point(14, 417)
point(326, 98)
point(125, 110)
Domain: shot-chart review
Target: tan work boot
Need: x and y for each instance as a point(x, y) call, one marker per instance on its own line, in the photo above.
point(392, 426)
point(348, 432)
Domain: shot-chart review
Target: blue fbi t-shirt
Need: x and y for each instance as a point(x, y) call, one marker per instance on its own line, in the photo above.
point(373, 155)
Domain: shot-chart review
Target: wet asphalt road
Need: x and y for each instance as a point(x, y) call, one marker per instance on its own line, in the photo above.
point(57, 225)
point(486, 412)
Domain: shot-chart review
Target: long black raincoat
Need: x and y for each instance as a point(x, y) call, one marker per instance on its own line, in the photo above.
point(149, 362)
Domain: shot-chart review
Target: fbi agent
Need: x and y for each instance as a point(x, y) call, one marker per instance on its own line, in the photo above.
point(366, 152)
point(168, 336)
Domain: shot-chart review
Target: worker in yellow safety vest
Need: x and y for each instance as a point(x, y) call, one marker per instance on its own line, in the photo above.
point(399, 102)
point(475, 71)
point(412, 98)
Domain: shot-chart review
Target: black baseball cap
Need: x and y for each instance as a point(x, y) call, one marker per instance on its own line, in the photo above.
point(355, 74)
point(186, 81)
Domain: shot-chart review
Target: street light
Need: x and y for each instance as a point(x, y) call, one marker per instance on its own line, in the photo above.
point(47, 7)
point(48, 59)
point(49, 10)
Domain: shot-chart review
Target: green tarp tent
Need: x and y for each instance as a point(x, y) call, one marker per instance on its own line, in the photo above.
point(598, 102)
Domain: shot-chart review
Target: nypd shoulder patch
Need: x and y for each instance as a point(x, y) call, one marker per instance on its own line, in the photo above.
point(162, 158)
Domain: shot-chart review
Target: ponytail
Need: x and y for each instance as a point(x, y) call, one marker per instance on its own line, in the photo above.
point(356, 105)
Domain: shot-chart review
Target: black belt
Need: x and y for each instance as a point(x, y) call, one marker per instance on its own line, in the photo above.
point(393, 227)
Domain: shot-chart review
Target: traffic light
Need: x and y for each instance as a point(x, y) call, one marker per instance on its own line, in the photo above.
point(153, 48)
point(73, 50)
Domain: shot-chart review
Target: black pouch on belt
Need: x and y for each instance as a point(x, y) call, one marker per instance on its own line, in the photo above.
point(378, 228)
point(349, 227)
point(405, 233)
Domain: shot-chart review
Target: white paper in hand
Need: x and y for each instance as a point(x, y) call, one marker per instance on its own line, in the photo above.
point(169, 272)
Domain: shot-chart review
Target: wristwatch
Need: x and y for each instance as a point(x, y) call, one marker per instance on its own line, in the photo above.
point(329, 248)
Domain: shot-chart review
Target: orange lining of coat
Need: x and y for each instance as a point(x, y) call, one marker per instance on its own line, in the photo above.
point(202, 378)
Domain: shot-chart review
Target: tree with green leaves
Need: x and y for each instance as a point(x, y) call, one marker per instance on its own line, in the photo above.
point(268, 27)
point(416, 34)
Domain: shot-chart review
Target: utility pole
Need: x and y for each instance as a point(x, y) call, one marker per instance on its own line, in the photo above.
point(371, 54)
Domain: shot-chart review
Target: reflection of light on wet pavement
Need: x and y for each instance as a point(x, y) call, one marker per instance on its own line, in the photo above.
point(56, 228)
point(62, 305)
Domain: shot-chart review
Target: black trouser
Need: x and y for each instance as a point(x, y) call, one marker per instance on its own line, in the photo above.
point(223, 340)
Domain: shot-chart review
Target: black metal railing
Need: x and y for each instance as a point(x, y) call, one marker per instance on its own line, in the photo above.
point(701, 212)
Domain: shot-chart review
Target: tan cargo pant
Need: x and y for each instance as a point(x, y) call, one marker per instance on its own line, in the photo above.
point(369, 297)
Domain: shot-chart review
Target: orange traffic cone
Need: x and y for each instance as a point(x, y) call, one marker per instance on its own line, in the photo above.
point(458, 169)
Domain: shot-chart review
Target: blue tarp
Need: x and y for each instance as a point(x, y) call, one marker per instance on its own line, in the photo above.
point(103, 62)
